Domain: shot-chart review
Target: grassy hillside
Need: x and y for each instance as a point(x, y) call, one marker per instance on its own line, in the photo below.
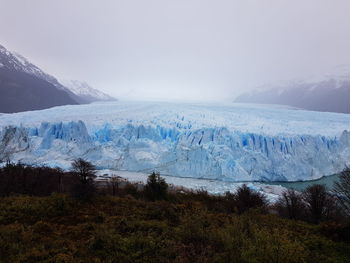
point(58, 228)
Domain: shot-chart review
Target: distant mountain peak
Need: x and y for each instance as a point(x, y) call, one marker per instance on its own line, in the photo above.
point(84, 90)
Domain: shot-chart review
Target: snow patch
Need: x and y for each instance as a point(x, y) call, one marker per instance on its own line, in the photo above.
point(21, 59)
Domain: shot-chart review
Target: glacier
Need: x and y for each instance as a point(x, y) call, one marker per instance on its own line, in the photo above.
point(227, 142)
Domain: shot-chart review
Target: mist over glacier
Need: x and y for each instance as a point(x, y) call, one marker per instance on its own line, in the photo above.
point(228, 142)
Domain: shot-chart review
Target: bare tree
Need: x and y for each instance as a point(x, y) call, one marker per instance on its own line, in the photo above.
point(84, 169)
point(320, 204)
point(114, 184)
point(342, 190)
point(291, 204)
point(85, 188)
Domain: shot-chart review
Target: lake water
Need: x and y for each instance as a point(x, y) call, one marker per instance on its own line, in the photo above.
point(328, 181)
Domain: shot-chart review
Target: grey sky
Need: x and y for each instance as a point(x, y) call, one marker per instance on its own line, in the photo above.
point(181, 49)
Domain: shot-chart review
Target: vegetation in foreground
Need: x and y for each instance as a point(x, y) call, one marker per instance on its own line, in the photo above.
point(121, 222)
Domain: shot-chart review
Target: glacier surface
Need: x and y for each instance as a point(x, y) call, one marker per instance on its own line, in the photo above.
point(228, 142)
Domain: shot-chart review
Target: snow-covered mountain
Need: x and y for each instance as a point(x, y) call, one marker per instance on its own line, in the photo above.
point(85, 91)
point(24, 86)
point(15, 62)
point(329, 93)
point(224, 142)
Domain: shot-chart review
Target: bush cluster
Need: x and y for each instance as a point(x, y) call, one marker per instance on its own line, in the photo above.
point(48, 215)
point(59, 228)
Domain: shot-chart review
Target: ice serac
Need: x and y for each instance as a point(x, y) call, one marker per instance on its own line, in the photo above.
point(214, 153)
point(229, 143)
point(74, 132)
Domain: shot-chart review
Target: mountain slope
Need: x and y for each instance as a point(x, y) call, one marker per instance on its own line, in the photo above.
point(85, 92)
point(23, 86)
point(15, 62)
point(330, 95)
point(23, 92)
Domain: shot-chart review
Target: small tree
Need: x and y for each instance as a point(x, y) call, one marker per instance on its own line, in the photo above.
point(156, 187)
point(342, 190)
point(291, 205)
point(84, 188)
point(247, 199)
point(84, 169)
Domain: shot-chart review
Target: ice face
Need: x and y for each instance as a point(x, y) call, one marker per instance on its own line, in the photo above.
point(187, 140)
point(70, 132)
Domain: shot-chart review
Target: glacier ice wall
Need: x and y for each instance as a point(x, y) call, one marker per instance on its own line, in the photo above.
point(213, 152)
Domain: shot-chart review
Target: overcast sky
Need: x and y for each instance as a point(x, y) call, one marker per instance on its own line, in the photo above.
point(179, 49)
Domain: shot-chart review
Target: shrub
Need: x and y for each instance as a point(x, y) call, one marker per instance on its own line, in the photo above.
point(131, 189)
point(247, 199)
point(83, 192)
